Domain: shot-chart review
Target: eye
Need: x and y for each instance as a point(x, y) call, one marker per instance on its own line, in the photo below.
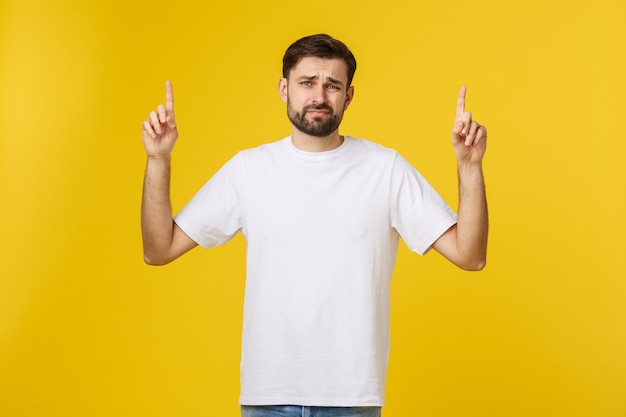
point(306, 83)
point(333, 87)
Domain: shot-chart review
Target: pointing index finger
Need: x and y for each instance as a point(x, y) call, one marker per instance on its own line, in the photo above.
point(460, 104)
point(169, 97)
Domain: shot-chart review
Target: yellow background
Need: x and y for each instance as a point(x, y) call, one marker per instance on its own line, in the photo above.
point(86, 329)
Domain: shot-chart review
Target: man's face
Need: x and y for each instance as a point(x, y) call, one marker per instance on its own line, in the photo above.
point(316, 94)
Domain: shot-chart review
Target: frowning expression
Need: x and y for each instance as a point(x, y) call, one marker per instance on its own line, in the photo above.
point(316, 94)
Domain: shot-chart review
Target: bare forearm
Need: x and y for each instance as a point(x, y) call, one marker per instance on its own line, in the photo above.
point(156, 212)
point(473, 221)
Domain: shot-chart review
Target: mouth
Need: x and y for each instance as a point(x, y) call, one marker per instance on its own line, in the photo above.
point(318, 112)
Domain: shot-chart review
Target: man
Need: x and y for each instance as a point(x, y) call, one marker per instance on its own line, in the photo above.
point(322, 214)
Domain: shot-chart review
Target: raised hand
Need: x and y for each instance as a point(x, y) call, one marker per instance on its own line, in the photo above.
point(468, 137)
point(159, 132)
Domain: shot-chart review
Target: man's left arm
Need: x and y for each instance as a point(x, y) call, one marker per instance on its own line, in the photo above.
point(465, 244)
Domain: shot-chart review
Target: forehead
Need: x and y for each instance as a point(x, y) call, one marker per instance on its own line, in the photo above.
point(310, 66)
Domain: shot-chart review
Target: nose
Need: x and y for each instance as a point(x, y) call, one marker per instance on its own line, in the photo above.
point(319, 94)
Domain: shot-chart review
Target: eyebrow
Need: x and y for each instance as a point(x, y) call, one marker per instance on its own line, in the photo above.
point(315, 77)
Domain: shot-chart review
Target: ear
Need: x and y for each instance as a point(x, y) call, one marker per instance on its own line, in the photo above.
point(282, 89)
point(349, 97)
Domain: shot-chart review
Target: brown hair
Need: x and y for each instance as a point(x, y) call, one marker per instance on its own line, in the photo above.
point(320, 46)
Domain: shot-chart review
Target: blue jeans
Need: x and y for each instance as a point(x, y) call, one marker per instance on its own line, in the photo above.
point(298, 411)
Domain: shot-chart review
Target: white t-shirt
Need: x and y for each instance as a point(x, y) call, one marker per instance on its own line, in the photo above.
point(322, 234)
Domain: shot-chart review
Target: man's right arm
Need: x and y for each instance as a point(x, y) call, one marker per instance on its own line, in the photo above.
point(163, 240)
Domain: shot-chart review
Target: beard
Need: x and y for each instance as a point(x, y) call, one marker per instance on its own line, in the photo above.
point(317, 126)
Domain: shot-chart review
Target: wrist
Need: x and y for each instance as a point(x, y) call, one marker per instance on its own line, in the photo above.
point(157, 159)
point(469, 167)
point(158, 164)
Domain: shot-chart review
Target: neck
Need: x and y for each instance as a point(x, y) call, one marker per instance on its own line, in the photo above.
point(310, 143)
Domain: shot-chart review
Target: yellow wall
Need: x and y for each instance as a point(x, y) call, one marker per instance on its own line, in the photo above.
point(86, 329)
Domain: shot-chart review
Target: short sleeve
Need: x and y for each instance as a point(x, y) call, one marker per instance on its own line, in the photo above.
point(418, 213)
point(214, 215)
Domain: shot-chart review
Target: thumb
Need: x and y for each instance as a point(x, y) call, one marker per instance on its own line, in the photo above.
point(457, 129)
point(171, 122)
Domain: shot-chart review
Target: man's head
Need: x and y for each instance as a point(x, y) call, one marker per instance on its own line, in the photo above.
point(316, 84)
point(319, 46)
